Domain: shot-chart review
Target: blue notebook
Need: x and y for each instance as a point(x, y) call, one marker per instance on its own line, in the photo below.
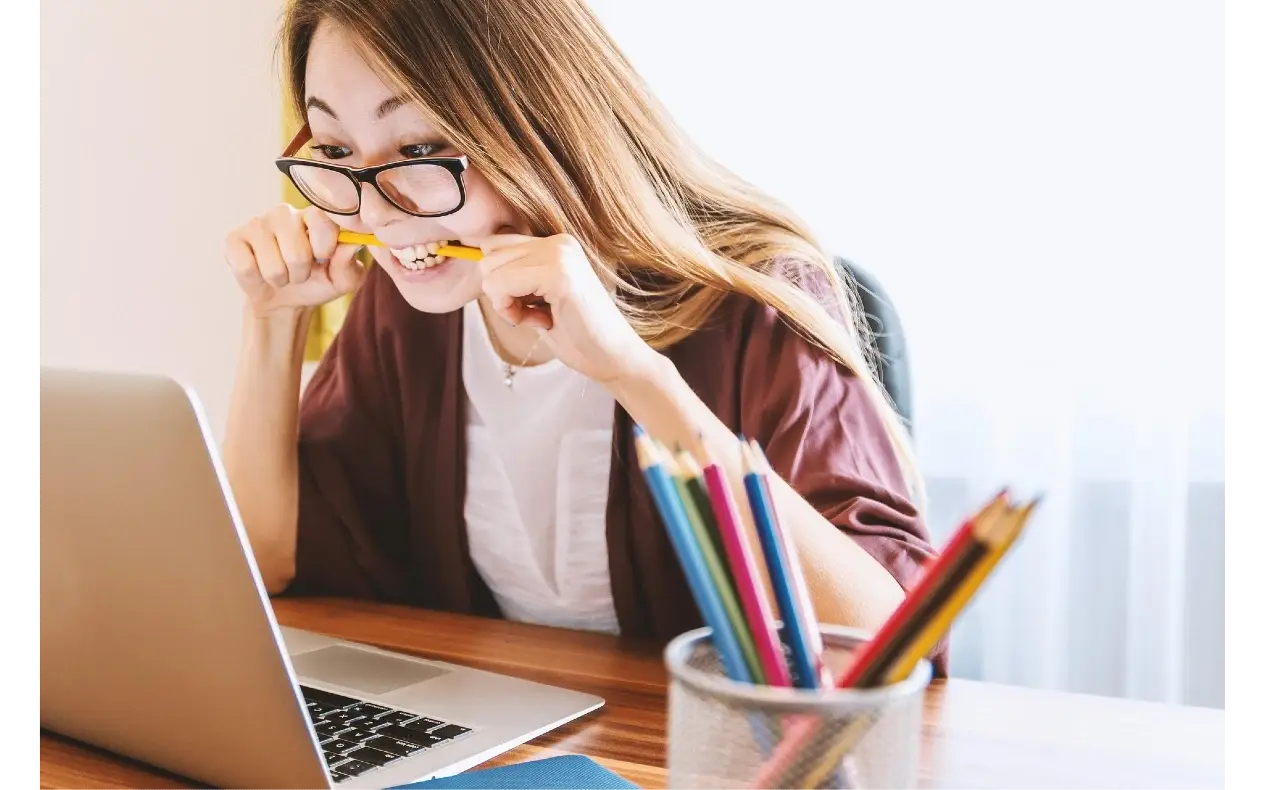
point(569, 772)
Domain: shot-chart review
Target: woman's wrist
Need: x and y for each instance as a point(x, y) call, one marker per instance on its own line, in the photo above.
point(643, 382)
point(281, 331)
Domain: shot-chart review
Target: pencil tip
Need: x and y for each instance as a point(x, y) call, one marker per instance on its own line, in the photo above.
point(757, 453)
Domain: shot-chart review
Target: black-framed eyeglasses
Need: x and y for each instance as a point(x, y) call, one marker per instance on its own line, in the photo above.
point(431, 186)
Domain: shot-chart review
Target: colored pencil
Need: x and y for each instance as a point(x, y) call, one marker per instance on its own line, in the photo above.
point(962, 548)
point(719, 579)
point(798, 616)
point(447, 250)
point(1001, 539)
point(692, 474)
point(681, 534)
point(998, 538)
point(745, 573)
point(919, 634)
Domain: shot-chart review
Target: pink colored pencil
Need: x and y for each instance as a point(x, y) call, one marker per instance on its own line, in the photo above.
point(750, 591)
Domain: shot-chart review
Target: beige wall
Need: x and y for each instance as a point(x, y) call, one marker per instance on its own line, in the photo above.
point(132, 93)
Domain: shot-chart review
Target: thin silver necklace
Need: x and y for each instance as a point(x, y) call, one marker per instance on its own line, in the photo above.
point(511, 371)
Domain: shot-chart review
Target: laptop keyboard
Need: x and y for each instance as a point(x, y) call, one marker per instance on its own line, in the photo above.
point(358, 736)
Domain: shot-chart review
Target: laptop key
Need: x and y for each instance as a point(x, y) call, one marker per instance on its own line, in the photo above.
point(337, 777)
point(354, 767)
point(327, 728)
point(449, 731)
point(318, 709)
point(342, 717)
point(338, 745)
point(411, 736)
point(358, 733)
point(392, 745)
point(370, 755)
point(395, 717)
point(327, 697)
point(368, 709)
point(423, 724)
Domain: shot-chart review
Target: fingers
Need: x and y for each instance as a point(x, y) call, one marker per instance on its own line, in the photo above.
point(504, 256)
point(281, 247)
point(345, 272)
point(290, 230)
point(535, 315)
point(322, 233)
point(523, 312)
point(522, 293)
point(267, 254)
point(242, 260)
point(515, 282)
point(496, 241)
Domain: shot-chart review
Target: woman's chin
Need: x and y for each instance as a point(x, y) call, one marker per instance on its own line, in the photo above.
point(441, 288)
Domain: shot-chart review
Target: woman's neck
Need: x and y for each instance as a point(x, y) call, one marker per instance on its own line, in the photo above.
point(513, 344)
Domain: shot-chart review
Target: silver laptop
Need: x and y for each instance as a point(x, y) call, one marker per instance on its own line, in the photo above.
point(157, 640)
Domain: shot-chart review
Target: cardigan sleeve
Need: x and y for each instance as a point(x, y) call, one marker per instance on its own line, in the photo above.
point(824, 435)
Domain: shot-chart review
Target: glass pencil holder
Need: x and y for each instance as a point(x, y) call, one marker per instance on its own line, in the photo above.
point(722, 733)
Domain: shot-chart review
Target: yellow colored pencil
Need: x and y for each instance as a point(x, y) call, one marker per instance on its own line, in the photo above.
point(1007, 532)
point(351, 237)
point(448, 250)
point(1002, 538)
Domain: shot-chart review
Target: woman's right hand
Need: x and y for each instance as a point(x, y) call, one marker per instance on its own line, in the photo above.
point(289, 259)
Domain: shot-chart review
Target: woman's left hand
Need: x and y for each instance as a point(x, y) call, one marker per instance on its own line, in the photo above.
point(549, 283)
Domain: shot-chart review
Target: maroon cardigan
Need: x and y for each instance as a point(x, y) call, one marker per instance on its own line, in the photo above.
point(382, 461)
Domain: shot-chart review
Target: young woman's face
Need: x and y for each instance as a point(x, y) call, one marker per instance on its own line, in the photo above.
point(357, 121)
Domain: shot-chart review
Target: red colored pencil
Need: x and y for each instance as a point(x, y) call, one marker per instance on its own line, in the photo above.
point(861, 669)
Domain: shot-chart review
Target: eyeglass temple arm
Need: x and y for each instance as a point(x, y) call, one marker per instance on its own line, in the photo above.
point(303, 136)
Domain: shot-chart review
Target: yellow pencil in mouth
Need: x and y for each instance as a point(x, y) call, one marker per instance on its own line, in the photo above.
point(447, 250)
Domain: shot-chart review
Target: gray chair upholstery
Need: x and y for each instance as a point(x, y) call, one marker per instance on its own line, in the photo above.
point(888, 335)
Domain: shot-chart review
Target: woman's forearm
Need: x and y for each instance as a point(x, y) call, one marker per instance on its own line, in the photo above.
point(260, 447)
point(847, 585)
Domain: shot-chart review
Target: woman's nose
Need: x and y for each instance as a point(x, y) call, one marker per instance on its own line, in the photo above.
point(375, 210)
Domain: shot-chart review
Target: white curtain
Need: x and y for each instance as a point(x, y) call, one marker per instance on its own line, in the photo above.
point(1039, 186)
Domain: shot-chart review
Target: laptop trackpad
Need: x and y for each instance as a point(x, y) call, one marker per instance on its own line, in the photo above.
point(363, 670)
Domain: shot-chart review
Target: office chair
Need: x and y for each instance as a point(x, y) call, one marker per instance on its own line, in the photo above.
point(888, 335)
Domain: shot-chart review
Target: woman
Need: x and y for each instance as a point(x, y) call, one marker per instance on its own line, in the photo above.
point(465, 443)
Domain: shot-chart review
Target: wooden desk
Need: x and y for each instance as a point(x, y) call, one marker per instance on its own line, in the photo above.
point(975, 734)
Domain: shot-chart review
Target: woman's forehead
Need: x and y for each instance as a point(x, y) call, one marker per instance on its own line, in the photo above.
point(338, 73)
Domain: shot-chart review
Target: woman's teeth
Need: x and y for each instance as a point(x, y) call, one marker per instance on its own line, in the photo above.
point(422, 256)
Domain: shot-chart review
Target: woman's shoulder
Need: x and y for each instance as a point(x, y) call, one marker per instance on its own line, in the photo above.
point(740, 317)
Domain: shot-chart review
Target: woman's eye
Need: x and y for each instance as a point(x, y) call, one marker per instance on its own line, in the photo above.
point(332, 151)
point(421, 149)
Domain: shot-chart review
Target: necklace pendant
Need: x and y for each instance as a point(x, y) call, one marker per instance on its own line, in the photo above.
point(509, 376)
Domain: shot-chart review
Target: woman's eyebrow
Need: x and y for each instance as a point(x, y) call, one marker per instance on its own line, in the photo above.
point(384, 109)
point(313, 103)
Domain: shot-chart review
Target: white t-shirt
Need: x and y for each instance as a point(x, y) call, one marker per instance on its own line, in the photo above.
point(537, 480)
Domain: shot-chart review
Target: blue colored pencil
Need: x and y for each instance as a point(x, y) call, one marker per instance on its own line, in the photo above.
point(680, 531)
point(801, 632)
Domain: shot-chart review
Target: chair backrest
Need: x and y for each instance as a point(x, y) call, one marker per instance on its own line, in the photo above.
point(888, 335)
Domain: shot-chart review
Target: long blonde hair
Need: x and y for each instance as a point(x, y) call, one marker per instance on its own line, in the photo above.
point(546, 106)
